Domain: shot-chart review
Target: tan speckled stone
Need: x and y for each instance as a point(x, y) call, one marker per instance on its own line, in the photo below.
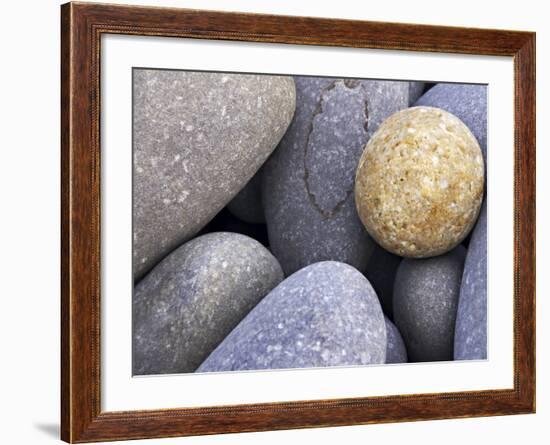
point(419, 183)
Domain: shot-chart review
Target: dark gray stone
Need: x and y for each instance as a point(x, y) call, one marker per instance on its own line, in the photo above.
point(416, 89)
point(467, 102)
point(381, 270)
point(194, 297)
point(471, 319)
point(326, 314)
point(396, 352)
point(308, 182)
point(425, 301)
point(247, 205)
point(198, 139)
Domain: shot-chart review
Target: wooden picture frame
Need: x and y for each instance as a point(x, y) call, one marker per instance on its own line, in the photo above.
point(82, 25)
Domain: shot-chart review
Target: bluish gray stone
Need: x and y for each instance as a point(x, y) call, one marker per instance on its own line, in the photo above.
point(471, 319)
point(247, 204)
point(425, 301)
point(194, 297)
point(381, 270)
point(198, 139)
point(308, 181)
point(468, 102)
point(396, 352)
point(326, 314)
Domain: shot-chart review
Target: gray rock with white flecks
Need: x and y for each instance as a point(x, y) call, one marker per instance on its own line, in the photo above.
point(471, 320)
point(425, 301)
point(194, 297)
point(308, 181)
point(396, 352)
point(198, 139)
point(326, 314)
point(468, 102)
point(247, 204)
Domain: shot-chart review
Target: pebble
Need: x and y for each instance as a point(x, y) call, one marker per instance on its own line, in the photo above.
point(194, 297)
point(198, 139)
point(419, 183)
point(425, 302)
point(326, 314)
point(471, 319)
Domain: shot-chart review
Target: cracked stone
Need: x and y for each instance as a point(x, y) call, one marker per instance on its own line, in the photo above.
point(308, 181)
point(326, 314)
point(199, 138)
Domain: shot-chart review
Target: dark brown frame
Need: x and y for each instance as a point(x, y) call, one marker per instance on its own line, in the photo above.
point(82, 25)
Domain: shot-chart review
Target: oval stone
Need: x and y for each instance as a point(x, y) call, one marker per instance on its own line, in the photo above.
point(194, 297)
point(425, 301)
point(308, 181)
point(326, 314)
point(419, 183)
point(471, 319)
point(198, 139)
point(396, 352)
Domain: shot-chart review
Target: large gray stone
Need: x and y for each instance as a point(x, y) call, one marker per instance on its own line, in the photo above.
point(247, 204)
point(468, 102)
point(471, 319)
point(326, 314)
point(191, 300)
point(425, 301)
point(381, 270)
point(396, 352)
point(198, 139)
point(308, 182)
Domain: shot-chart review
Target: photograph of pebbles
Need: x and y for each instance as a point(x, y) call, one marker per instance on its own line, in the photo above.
point(285, 222)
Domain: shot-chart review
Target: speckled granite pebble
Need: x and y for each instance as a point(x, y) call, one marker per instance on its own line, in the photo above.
point(326, 314)
point(190, 301)
point(198, 139)
point(467, 102)
point(395, 350)
point(381, 270)
point(471, 319)
point(247, 205)
point(419, 183)
point(425, 301)
point(308, 181)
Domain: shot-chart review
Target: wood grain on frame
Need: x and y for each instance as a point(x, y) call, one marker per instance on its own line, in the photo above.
point(81, 28)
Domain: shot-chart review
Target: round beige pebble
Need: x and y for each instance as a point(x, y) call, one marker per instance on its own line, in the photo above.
point(419, 183)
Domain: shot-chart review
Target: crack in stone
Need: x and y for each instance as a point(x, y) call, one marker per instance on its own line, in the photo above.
point(350, 84)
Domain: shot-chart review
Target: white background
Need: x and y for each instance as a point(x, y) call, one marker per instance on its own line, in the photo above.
point(29, 187)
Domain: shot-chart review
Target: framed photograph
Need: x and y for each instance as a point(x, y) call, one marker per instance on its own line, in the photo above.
point(274, 222)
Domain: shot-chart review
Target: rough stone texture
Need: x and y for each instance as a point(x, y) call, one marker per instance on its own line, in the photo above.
point(326, 314)
point(425, 304)
point(467, 102)
point(396, 352)
point(471, 318)
point(308, 181)
point(191, 300)
point(381, 270)
point(419, 183)
point(247, 204)
point(198, 139)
